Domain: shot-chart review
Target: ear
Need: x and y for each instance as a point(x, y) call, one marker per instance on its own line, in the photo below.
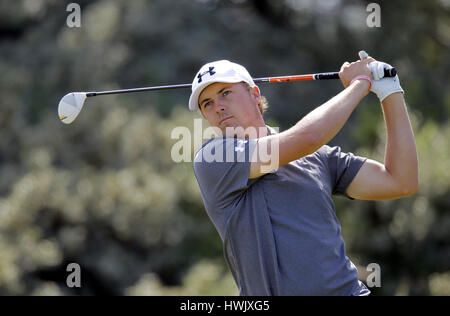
point(256, 93)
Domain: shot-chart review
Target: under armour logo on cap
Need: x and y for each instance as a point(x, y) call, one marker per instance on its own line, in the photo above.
point(210, 71)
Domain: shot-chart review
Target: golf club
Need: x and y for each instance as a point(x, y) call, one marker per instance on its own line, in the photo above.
point(71, 104)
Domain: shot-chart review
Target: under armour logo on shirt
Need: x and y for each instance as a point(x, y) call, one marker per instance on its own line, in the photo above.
point(210, 72)
point(241, 145)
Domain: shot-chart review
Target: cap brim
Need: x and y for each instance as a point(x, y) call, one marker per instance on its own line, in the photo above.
point(193, 99)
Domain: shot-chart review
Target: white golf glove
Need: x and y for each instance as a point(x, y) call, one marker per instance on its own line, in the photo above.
point(383, 87)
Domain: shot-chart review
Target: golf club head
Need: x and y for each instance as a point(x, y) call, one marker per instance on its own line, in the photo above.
point(70, 105)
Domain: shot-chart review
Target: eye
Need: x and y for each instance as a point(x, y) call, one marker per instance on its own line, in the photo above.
point(206, 104)
point(227, 92)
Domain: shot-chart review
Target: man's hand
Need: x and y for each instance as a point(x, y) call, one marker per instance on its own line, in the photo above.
point(351, 70)
point(383, 87)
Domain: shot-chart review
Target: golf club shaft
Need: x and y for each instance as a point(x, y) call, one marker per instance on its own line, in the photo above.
point(319, 76)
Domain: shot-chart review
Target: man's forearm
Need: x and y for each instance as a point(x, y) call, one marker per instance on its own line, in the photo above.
point(401, 154)
point(324, 122)
point(320, 125)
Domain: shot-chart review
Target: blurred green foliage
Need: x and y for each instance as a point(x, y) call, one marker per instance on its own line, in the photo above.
point(104, 191)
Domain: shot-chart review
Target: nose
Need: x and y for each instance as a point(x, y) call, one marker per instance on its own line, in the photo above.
point(220, 106)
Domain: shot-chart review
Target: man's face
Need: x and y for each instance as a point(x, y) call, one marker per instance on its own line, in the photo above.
point(231, 105)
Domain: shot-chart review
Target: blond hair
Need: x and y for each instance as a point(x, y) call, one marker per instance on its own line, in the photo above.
point(263, 105)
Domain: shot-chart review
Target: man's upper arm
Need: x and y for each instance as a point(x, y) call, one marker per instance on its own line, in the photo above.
point(374, 182)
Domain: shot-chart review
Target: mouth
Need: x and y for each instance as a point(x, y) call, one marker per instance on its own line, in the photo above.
point(224, 119)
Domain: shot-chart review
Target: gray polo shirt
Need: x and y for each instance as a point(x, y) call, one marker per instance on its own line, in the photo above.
point(280, 232)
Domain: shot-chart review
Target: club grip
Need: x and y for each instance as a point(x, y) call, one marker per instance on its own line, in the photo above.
point(388, 72)
point(326, 76)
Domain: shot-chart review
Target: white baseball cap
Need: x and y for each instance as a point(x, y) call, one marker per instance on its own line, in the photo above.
point(217, 71)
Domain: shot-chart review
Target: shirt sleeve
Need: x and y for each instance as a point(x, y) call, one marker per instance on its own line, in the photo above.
point(222, 169)
point(343, 168)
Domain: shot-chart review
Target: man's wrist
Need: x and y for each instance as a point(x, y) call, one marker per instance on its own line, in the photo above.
point(362, 79)
point(395, 97)
point(362, 84)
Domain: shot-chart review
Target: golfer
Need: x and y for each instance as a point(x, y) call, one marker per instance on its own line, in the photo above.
point(277, 220)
